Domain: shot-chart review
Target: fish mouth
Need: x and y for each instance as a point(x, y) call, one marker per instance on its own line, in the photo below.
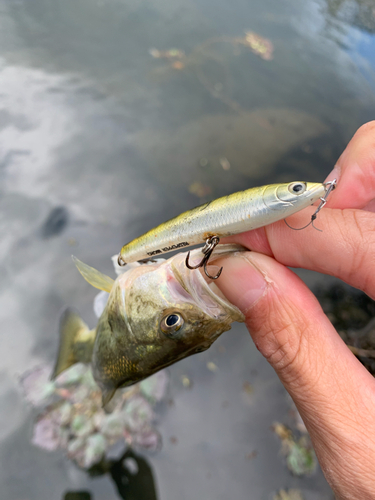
point(204, 292)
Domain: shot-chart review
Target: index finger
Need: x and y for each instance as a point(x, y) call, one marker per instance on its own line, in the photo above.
point(346, 247)
point(355, 171)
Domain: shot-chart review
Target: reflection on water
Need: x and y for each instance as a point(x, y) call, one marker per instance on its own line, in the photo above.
point(208, 64)
point(246, 146)
point(100, 140)
point(359, 13)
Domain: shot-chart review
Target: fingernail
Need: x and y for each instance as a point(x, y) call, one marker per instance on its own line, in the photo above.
point(242, 282)
point(335, 174)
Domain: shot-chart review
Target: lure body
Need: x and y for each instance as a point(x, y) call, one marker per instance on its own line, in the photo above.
point(232, 214)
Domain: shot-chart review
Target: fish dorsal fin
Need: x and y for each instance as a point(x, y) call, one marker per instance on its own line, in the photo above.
point(94, 277)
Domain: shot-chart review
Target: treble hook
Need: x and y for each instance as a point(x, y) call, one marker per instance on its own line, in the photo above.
point(331, 186)
point(207, 250)
point(120, 262)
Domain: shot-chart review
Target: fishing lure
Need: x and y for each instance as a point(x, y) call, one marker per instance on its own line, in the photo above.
point(232, 214)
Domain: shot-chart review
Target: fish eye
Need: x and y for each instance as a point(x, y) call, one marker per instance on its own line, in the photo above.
point(297, 187)
point(171, 323)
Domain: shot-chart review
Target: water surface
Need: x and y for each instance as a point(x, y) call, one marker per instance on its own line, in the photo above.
point(100, 141)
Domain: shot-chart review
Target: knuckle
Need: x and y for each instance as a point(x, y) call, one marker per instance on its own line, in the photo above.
point(281, 332)
point(359, 158)
point(357, 231)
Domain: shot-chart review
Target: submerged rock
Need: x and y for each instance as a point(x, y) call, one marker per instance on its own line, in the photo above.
point(352, 313)
point(300, 456)
point(71, 416)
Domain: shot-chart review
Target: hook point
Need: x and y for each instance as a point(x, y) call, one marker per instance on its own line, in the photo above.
point(207, 251)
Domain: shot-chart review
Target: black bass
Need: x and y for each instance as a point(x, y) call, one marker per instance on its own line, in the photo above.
point(156, 314)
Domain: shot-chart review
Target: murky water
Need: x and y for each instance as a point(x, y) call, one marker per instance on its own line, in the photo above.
point(100, 140)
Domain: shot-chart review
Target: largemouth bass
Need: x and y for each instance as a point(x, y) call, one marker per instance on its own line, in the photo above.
point(233, 214)
point(156, 314)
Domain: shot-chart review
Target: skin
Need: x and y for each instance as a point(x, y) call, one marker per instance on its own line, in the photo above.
point(334, 393)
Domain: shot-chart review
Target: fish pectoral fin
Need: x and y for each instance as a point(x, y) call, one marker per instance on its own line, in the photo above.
point(94, 277)
point(107, 395)
point(76, 342)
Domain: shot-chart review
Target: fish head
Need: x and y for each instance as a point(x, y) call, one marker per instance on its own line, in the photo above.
point(157, 314)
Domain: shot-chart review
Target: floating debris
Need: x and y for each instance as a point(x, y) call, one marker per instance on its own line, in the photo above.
point(282, 431)
point(170, 55)
point(300, 456)
point(186, 382)
point(301, 459)
point(178, 65)
point(288, 495)
point(252, 455)
point(199, 189)
point(261, 46)
point(203, 162)
point(205, 62)
point(155, 53)
point(224, 162)
point(212, 367)
point(72, 418)
point(247, 388)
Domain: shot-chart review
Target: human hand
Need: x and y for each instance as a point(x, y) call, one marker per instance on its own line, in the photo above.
point(333, 392)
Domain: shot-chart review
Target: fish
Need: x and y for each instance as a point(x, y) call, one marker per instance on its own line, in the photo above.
point(156, 314)
point(232, 214)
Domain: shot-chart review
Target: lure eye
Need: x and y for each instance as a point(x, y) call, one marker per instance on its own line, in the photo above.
point(297, 187)
point(171, 323)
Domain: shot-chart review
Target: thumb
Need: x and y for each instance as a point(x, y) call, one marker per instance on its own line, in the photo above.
point(291, 330)
point(333, 392)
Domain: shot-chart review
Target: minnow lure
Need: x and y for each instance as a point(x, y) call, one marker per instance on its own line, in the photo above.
point(232, 214)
